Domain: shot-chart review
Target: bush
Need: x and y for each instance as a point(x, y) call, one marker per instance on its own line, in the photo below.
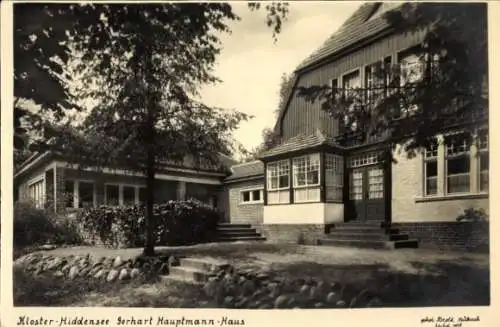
point(474, 215)
point(177, 223)
point(33, 226)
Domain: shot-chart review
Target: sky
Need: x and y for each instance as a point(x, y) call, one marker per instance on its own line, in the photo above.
point(251, 63)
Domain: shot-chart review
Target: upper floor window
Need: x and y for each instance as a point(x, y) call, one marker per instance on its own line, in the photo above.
point(351, 82)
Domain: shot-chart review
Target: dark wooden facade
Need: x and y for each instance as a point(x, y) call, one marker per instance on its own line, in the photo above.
point(302, 117)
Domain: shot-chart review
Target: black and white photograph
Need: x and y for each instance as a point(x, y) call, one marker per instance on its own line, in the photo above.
point(251, 155)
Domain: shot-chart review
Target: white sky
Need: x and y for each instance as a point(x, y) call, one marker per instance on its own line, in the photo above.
point(251, 64)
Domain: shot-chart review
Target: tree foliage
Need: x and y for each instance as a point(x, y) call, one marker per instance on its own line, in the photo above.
point(143, 66)
point(445, 87)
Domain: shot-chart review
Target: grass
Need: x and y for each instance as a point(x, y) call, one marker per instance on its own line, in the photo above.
point(408, 278)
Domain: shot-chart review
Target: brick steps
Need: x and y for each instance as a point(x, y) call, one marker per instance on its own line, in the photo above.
point(373, 235)
point(227, 232)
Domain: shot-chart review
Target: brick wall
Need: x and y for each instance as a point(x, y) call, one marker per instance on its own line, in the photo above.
point(461, 236)
point(408, 204)
point(244, 213)
point(293, 233)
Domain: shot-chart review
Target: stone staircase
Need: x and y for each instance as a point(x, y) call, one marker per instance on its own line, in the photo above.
point(194, 270)
point(227, 232)
point(373, 235)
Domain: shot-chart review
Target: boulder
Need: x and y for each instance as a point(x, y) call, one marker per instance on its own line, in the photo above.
point(374, 302)
point(281, 301)
point(124, 275)
point(73, 272)
point(229, 302)
point(210, 288)
point(305, 290)
point(248, 287)
point(117, 262)
point(319, 305)
point(332, 298)
point(173, 261)
point(163, 270)
point(101, 273)
point(113, 273)
point(340, 304)
point(134, 273)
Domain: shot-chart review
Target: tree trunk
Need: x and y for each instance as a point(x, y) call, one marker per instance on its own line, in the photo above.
point(149, 247)
point(151, 155)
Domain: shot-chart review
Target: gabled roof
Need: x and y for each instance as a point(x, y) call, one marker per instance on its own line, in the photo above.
point(300, 142)
point(246, 170)
point(365, 22)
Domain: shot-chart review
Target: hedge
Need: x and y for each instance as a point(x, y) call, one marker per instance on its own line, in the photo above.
point(177, 223)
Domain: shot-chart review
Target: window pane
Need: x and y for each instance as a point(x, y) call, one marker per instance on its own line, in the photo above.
point(484, 161)
point(246, 196)
point(128, 195)
point(458, 183)
point(431, 186)
point(458, 165)
point(312, 177)
point(256, 195)
point(69, 193)
point(431, 168)
point(112, 195)
point(283, 181)
point(86, 194)
point(142, 195)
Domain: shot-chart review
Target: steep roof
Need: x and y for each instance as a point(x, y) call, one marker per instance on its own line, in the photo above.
point(246, 170)
point(365, 22)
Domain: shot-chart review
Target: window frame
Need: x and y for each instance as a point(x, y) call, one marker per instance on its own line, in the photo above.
point(480, 151)
point(37, 184)
point(432, 158)
point(354, 125)
point(76, 192)
point(463, 154)
point(250, 196)
point(121, 187)
point(278, 175)
point(306, 171)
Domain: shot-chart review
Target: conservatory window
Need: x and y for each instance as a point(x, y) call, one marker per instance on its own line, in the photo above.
point(306, 176)
point(278, 182)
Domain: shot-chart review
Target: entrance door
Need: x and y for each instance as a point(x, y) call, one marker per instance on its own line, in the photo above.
point(367, 193)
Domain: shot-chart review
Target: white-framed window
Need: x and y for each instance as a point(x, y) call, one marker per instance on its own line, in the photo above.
point(431, 169)
point(278, 175)
point(124, 194)
point(36, 192)
point(278, 182)
point(80, 193)
point(251, 196)
point(364, 159)
point(306, 170)
point(458, 165)
point(306, 177)
point(334, 176)
point(483, 160)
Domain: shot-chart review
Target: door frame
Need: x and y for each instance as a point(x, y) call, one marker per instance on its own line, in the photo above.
point(386, 165)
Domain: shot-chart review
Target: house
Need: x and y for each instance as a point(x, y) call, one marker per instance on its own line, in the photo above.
point(48, 181)
point(314, 186)
point(314, 180)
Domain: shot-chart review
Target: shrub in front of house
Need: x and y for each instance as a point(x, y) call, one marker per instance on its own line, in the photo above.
point(177, 223)
point(34, 226)
point(476, 229)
